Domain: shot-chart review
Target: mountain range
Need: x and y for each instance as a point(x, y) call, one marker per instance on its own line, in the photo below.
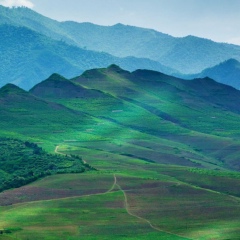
point(144, 102)
point(34, 56)
point(69, 48)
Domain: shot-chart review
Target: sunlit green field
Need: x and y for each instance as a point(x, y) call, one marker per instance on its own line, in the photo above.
point(130, 206)
point(167, 163)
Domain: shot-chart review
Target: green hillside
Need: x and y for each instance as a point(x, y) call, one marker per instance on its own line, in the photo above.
point(199, 115)
point(166, 152)
point(28, 117)
point(116, 153)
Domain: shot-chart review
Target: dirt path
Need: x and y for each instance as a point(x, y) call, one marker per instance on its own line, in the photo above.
point(141, 218)
point(65, 198)
point(56, 151)
point(114, 184)
point(126, 204)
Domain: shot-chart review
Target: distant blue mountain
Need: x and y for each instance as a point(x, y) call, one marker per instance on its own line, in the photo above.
point(27, 57)
point(227, 72)
point(188, 55)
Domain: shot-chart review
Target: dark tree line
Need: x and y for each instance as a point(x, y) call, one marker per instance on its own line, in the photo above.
point(24, 162)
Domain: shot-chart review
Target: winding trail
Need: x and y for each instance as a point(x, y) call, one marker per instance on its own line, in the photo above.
point(56, 151)
point(141, 218)
point(65, 198)
point(126, 204)
point(114, 184)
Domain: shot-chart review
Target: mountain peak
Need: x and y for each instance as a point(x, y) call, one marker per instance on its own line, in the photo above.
point(55, 81)
point(11, 89)
point(56, 77)
point(227, 72)
point(118, 25)
point(115, 68)
point(232, 61)
point(56, 87)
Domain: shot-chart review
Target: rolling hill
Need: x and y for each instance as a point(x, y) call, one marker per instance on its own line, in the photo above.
point(152, 103)
point(166, 152)
point(33, 119)
point(139, 101)
point(187, 55)
point(108, 101)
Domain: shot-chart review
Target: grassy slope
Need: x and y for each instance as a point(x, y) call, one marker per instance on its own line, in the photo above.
point(162, 200)
point(30, 118)
point(168, 108)
point(140, 134)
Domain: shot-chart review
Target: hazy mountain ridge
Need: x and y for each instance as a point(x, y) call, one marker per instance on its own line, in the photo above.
point(27, 57)
point(227, 72)
point(187, 55)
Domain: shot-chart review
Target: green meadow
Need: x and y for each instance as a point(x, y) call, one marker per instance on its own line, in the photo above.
point(162, 157)
point(93, 206)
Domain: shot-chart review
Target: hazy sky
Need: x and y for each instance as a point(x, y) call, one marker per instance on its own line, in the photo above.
point(215, 19)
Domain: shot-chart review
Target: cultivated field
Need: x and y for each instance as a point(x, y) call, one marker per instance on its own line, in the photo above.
point(123, 206)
